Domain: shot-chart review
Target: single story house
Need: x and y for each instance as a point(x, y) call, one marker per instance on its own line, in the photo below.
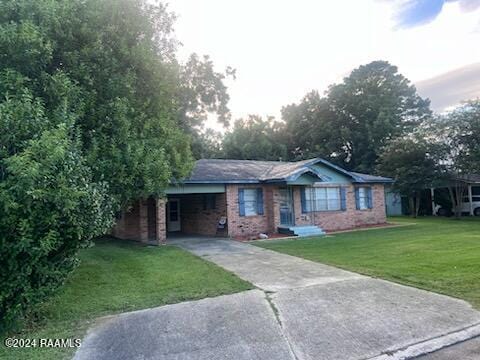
point(244, 198)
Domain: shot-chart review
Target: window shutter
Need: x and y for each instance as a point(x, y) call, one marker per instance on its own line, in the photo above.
point(303, 200)
point(241, 202)
point(357, 198)
point(343, 199)
point(369, 198)
point(260, 201)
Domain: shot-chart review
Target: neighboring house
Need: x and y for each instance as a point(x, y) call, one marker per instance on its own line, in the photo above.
point(470, 204)
point(254, 197)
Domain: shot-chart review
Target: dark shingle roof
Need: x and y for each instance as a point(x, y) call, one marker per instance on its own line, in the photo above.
point(371, 178)
point(252, 171)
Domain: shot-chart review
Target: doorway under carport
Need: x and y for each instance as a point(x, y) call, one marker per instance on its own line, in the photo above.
point(195, 214)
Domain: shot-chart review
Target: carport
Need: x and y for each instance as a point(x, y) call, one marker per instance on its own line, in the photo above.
point(186, 209)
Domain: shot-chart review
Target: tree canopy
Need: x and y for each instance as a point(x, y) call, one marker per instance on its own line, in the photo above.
point(254, 139)
point(95, 111)
point(414, 166)
point(357, 117)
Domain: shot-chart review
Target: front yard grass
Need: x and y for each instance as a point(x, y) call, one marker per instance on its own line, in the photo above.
point(437, 254)
point(115, 277)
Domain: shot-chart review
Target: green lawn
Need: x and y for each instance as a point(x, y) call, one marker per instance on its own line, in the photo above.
point(438, 254)
point(118, 276)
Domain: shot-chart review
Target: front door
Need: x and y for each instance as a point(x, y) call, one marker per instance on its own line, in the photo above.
point(286, 207)
point(173, 215)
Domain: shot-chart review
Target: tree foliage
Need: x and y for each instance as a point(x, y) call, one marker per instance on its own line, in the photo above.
point(457, 133)
point(306, 129)
point(372, 106)
point(413, 164)
point(255, 139)
point(95, 111)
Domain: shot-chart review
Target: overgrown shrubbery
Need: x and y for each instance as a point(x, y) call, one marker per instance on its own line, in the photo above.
point(93, 113)
point(49, 208)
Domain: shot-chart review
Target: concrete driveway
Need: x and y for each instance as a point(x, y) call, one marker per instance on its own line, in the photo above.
point(302, 310)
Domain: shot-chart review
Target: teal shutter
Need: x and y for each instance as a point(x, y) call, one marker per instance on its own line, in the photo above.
point(357, 198)
point(303, 199)
point(369, 198)
point(241, 202)
point(259, 201)
point(343, 199)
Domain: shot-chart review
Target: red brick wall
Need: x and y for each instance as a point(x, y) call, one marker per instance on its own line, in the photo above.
point(161, 221)
point(133, 224)
point(250, 226)
point(377, 215)
point(348, 219)
point(196, 220)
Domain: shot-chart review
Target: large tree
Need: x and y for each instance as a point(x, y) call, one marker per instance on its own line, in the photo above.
point(94, 107)
point(413, 164)
point(359, 116)
point(458, 134)
point(307, 129)
point(255, 139)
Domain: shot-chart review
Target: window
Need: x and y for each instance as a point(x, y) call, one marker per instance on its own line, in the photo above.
point(363, 197)
point(250, 202)
point(209, 202)
point(323, 199)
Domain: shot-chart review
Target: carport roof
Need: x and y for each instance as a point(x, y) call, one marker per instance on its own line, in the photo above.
point(253, 171)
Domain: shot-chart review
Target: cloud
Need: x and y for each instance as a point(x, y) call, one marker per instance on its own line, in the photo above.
point(451, 88)
point(411, 13)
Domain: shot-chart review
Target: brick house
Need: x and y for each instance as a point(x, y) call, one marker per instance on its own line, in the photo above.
point(252, 197)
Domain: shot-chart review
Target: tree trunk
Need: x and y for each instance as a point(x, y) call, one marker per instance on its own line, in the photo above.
point(417, 204)
point(411, 201)
point(457, 192)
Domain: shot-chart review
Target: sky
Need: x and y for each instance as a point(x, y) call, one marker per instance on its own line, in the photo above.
point(282, 49)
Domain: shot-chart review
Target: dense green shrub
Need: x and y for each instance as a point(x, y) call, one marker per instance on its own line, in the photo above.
point(95, 111)
point(49, 208)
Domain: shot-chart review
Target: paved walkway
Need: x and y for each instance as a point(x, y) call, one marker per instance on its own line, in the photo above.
point(302, 310)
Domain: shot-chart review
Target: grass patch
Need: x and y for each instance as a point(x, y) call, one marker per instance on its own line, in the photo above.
point(438, 254)
point(115, 277)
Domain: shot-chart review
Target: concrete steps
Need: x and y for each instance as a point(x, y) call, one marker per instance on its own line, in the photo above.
point(306, 230)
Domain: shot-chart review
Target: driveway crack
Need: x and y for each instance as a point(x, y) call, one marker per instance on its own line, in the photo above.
point(276, 313)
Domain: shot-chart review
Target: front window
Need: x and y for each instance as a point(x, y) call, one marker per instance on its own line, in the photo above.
point(250, 201)
point(322, 199)
point(363, 198)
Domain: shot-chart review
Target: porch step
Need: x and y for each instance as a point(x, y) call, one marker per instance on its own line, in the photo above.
point(307, 230)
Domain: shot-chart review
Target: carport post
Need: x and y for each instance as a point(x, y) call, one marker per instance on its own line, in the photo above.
point(470, 198)
point(161, 221)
